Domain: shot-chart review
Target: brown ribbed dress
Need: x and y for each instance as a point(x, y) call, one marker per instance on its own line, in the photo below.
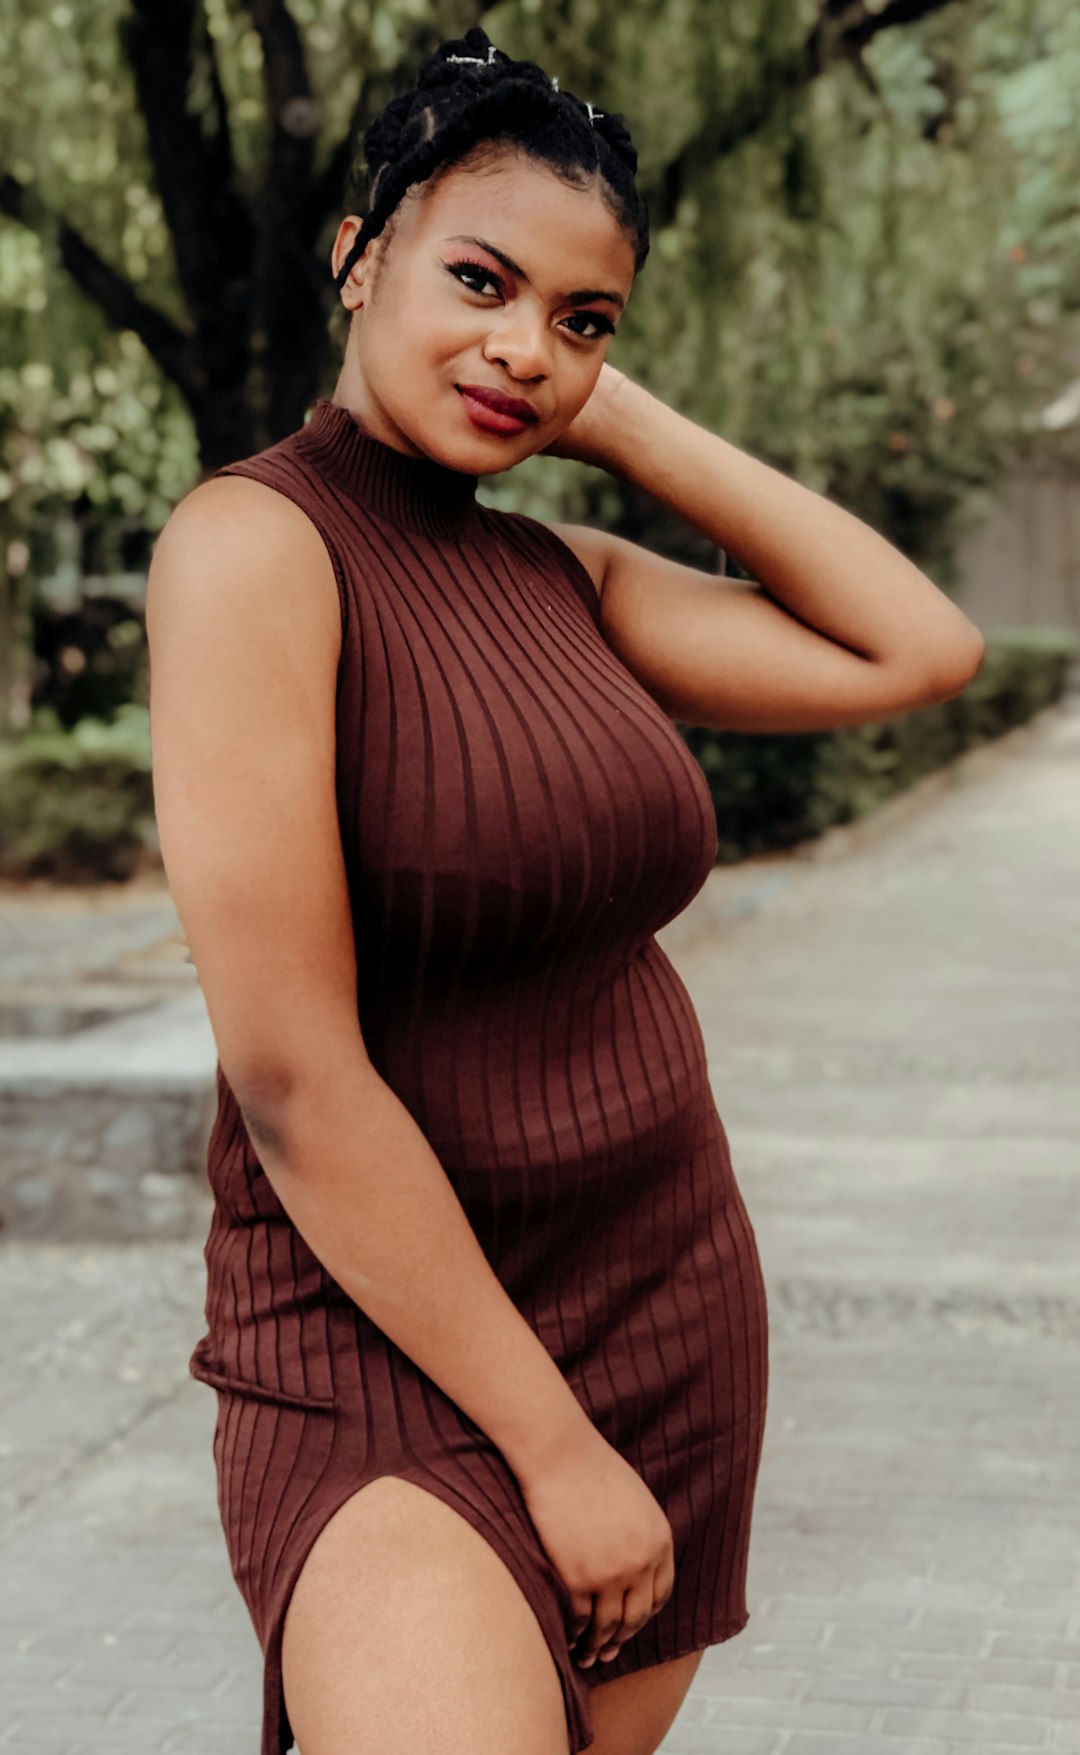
point(518, 818)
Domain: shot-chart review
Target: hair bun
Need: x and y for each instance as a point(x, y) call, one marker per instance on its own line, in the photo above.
point(459, 57)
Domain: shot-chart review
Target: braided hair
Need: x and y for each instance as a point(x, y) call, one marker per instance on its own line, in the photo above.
point(469, 92)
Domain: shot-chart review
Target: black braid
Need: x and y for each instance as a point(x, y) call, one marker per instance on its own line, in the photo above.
point(457, 104)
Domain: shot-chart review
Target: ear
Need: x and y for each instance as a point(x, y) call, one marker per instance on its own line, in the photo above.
point(351, 288)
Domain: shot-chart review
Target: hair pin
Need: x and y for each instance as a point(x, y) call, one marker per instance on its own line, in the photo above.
point(478, 61)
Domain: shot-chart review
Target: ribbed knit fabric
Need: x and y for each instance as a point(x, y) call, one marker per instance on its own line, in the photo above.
point(518, 818)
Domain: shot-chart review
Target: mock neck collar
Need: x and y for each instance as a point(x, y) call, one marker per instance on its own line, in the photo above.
point(416, 493)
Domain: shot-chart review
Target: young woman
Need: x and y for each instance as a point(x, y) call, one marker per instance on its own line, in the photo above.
point(485, 1314)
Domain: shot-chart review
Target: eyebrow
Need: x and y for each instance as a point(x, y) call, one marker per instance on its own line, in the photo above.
point(574, 298)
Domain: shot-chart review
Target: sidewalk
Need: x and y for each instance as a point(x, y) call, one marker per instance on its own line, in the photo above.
point(894, 1041)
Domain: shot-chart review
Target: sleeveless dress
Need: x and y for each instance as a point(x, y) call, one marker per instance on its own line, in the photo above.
point(518, 817)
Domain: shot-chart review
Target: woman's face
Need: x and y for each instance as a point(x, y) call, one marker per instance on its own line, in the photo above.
point(444, 310)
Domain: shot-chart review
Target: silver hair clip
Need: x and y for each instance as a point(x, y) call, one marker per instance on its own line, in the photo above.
point(478, 61)
point(593, 113)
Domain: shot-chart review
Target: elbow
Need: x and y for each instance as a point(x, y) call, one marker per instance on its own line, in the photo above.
point(264, 1097)
point(281, 1097)
point(265, 1128)
point(962, 667)
point(927, 681)
point(262, 1083)
point(956, 664)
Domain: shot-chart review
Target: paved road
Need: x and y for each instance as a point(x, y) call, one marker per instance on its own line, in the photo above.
point(894, 1041)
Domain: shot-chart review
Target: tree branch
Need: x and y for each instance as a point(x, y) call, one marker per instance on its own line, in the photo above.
point(841, 32)
point(171, 54)
point(291, 110)
point(287, 290)
point(173, 350)
point(867, 24)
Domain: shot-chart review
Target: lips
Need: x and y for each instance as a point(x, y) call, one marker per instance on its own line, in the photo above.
point(494, 399)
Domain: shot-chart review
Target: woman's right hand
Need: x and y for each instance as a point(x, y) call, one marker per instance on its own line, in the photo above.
point(609, 1539)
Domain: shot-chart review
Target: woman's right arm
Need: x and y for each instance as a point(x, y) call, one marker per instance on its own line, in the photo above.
point(244, 628)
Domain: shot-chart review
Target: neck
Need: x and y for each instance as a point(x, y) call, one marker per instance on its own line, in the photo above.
point(414, 493)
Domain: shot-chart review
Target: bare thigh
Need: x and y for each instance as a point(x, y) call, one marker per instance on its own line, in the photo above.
point(632, 1714)
point(406, 1631)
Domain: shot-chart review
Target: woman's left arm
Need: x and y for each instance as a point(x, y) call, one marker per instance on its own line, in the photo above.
point(837, 626)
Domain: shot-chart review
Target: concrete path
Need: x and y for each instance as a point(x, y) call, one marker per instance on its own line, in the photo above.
point(894, 1039)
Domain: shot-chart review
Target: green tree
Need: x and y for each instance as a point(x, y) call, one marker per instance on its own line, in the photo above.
point(863, 217)
point(238, 191)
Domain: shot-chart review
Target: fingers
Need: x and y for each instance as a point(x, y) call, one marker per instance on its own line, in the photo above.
point(639, 1606)
point(581, 1613)
point(616, 1618)
point(663, 1582)
point(601, 1631)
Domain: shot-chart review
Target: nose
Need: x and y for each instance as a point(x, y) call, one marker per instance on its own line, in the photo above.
point(522, 346)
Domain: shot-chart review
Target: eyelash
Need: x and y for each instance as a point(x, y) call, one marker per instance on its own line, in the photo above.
point(607, 327)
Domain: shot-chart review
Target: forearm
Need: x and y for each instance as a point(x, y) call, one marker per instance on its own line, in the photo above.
point(821, 562)
point(366, 1191)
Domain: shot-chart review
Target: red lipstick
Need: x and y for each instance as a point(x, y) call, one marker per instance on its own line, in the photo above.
point(494, 412)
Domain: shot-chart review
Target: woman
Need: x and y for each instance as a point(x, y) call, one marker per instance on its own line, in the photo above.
point(485, 1315)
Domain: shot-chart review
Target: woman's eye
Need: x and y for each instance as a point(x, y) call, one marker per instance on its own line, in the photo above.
point(464, 271)
point(603, 324)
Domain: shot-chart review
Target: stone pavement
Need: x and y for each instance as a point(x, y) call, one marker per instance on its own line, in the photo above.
point(894, 1036)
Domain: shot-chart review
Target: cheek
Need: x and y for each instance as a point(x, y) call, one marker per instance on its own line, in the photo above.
point(585, 379)
point(406, 336)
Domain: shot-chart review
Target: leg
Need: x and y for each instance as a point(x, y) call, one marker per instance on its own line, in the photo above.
point(633, 1713)
point(406, 1631)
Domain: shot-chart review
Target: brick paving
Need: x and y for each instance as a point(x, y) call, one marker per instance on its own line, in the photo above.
point(894, 1041)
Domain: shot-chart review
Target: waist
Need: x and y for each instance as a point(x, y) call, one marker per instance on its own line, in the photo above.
point(548, 1076)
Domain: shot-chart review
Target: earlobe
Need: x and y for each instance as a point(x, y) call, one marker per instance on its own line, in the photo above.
point(352, 282)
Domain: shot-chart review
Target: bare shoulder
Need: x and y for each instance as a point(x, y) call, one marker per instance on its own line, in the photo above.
point(591, 547)
point(237, 496)
point(240, 511)
point(240, 544)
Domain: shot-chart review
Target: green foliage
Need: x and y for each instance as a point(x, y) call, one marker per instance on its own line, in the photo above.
point(867, 278)
point(77, 805)
point(93, 457)
point(90, 433)
point(864, 265)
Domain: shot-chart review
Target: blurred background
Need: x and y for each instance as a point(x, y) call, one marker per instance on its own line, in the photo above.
point(865, 242)
point(864, 269)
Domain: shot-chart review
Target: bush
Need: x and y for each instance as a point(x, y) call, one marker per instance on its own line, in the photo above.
point(77, 805)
